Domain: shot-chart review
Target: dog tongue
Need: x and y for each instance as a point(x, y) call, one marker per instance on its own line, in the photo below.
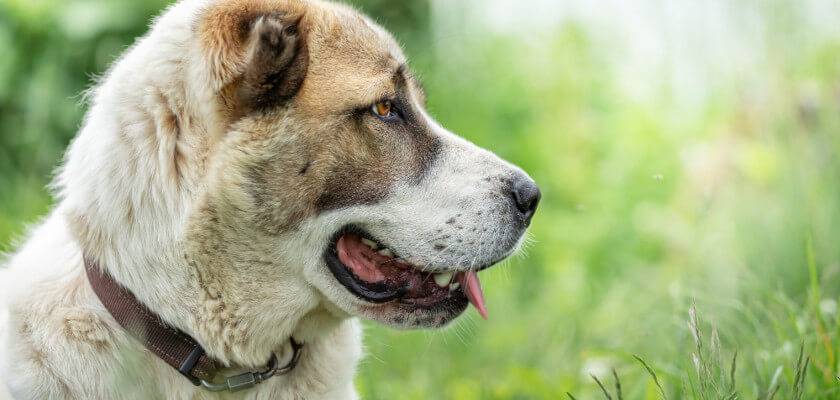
point(472, 288)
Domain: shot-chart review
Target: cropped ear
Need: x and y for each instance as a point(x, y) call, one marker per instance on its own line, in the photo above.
point(255, 51)
point(276, 62)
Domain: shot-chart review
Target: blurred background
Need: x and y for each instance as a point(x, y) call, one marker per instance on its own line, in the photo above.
point(688, 156)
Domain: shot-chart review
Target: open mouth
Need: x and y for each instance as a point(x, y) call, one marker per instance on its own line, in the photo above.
point(376, 274)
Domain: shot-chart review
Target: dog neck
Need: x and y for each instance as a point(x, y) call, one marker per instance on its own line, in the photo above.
point(135, 199)
point(172, 346)
point(181, 272)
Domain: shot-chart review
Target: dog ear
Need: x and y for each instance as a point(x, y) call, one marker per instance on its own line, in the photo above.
point(276, 62)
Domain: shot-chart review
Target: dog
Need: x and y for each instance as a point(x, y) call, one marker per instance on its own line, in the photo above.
point(257, 175)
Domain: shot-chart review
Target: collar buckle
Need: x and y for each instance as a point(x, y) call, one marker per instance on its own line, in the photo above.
point(248, 380)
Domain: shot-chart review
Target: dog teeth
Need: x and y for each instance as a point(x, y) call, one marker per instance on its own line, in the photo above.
point(370, 243)
point(443, 280)
point(386, 252)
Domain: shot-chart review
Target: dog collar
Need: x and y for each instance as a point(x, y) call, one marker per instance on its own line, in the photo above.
point(171, 345)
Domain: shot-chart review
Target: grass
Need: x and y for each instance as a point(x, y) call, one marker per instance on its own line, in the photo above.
point(713, 378)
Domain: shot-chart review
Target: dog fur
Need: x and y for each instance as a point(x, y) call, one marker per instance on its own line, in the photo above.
point(218, 157)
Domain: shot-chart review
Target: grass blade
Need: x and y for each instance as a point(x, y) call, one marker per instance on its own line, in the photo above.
point(653, 375)
point(617, 385)
point(603, 389)
point(732, 368)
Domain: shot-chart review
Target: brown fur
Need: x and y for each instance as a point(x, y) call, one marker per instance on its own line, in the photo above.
point(86, 328)
point(340, 66)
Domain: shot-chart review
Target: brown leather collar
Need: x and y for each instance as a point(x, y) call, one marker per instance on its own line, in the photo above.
point(171, 345)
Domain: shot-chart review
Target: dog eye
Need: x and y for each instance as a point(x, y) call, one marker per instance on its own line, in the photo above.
point(384, 110)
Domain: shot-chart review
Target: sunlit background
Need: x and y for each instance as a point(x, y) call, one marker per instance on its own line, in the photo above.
point(688, 155)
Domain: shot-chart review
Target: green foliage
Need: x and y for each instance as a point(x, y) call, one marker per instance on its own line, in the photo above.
point(729, 207)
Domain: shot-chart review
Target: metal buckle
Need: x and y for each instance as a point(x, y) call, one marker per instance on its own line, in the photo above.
point(251, 379)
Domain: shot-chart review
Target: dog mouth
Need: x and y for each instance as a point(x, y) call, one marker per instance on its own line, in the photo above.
point(376, 274)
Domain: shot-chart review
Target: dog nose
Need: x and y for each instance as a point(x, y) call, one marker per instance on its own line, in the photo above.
point(526, 195)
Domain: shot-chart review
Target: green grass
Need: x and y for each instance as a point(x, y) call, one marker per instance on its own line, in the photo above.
point(680, 252)
point(715, 377)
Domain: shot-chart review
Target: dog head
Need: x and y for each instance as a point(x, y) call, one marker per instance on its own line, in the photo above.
point(333, 184)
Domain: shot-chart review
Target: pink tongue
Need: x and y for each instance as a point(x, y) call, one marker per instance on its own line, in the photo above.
point(472, 288)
